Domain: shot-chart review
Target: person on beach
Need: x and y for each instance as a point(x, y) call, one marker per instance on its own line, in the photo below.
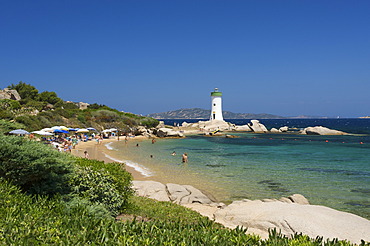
point(137, 145)
point(86, 154)
point(153, 141)
point(185, 157)
point(173, 153)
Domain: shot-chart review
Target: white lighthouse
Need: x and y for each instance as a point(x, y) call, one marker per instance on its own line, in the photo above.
point(216, 110)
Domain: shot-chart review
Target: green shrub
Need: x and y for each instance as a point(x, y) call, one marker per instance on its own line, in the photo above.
point(8, 104)
point(105, 115)
point(121, 179)
point(7, 126)
point(98, 187)
point(30, 121)
point(34, 220)
point(149, 122)
point(34, 167)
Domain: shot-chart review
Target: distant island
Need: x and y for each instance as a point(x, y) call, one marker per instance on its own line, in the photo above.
point(199, 113)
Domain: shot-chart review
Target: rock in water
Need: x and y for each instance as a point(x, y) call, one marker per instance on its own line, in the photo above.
point(167, 132)
point(320, 130)
point(243, 128)
point(258, 127)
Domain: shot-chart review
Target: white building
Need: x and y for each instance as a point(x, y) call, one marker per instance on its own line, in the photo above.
point(216, 110)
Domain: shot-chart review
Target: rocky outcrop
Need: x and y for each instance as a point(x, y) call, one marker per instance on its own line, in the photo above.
point(142, 130)
point(9, 94)
point(284, 129)
point(168, 132)
point(320, 130)
point(213, 125)
point(289, 215)
point(257, 127)
point(161, 124)
point(274, 130)
point(289, 218)
point(180, 194)
point(243, 128)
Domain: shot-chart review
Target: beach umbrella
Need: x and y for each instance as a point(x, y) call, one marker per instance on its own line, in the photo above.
point(47, 129)
point(73, 129)
point(19, 132)
point(60, 131)
point(113, 129)
point(82, 130)
point(106, 130)
point(43, 133)
point(91, 129)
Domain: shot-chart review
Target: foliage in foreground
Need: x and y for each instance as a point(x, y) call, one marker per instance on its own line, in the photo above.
point(34, 167)
point(31, 220)
point(7, 126)
point(102, 183)
point(37, 169)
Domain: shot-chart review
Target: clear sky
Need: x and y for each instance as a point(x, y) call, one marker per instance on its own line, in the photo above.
point(289, 58)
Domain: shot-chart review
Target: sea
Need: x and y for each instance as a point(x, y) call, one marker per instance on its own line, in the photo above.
point(332, 171)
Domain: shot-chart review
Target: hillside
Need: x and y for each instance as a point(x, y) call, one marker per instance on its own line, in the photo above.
point(22, 103)
point(198, 113)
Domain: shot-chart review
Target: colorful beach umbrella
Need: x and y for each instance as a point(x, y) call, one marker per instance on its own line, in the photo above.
point(82, 130)
point(60, 131)
point(19, 132)
point(91, 129)
point(47, 129)
point(43, 133)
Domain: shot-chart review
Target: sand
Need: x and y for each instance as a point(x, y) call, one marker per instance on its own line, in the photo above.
point(96, 151)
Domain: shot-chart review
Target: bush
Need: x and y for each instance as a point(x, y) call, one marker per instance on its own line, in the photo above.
point(30, 121)
point(8, 104)
point(7, 126)
point(30, 220)
point(98, 187)
point(105, 115)
point(120, 178)
point(149, 122)
point(35, 168)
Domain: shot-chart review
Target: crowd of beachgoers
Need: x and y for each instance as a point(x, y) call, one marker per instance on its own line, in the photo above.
point(64, 139)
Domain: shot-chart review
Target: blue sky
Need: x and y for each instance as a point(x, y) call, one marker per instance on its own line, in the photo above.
point(286, 58)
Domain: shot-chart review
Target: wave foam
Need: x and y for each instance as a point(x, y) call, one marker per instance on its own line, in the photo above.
point(143, 170)
point(108, 146)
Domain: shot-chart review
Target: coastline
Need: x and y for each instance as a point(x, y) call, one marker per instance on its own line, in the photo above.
point(96, 151)
point(244, 211)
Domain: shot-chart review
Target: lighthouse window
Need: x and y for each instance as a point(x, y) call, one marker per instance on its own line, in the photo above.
point(214, 104)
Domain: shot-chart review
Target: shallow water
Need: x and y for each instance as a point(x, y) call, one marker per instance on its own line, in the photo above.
point(329, 170)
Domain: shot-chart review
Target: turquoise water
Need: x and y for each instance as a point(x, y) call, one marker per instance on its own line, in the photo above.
point(329, 170)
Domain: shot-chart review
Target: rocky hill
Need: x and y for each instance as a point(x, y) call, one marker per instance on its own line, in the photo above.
point(198, 113)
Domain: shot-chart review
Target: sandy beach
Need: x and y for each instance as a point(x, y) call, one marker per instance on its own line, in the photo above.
point(96, 151)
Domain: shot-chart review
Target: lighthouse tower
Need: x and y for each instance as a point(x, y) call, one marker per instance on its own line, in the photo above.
point(216, 111)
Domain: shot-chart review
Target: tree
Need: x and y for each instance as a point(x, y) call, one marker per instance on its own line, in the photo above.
point(26, 91)
point(49, 97)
